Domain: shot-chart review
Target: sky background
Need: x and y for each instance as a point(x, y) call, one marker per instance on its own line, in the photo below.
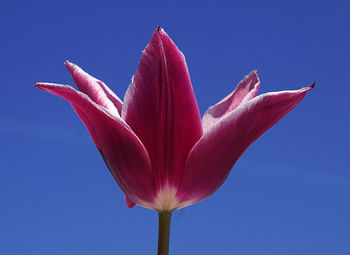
point(288, 194)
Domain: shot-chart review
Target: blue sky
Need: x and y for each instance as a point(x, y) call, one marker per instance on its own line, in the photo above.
point(288, 194)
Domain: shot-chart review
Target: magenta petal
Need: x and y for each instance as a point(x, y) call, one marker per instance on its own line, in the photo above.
point(161, 109)
point(130, 204)
point(245, 90)
point(95, 89)
point(212, 158)
point(124, 154)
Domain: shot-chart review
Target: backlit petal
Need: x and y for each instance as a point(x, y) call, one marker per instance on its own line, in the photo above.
point(95, 89)
point(245, 90)
point(212, 158)
point(161, 109)
point(122, 151)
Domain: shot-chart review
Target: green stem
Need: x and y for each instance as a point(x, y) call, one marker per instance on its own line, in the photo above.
point(164, 233)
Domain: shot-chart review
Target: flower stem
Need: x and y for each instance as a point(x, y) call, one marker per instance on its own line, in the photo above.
point(164, 233)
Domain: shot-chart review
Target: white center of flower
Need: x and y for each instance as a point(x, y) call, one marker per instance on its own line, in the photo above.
point(166, 199)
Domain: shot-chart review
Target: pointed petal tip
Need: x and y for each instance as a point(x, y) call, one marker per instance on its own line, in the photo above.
point(161, 32)
point(306, 89)
point(70, 66)
point(40, 85)
point(255, 72)
point(312, 85)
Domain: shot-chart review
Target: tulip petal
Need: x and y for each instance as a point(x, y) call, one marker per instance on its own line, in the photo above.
point(245, 90)
point(122, 151)
point(161, 109)
point(130, 204)
point(111, 96)
point(212, 158)
point(95, 89)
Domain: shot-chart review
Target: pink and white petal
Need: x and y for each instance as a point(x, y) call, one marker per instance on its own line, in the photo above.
point(245, 90)
point(123, 153)
point(111, 96)
point(90, 86)
point(161, 109)
point(212, 158)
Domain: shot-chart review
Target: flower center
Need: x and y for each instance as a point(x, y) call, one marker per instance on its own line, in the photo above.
point(166, 199)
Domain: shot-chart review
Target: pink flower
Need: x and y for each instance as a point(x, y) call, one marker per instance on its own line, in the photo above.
point(159, 151)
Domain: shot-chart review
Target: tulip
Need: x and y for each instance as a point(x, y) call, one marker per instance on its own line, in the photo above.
point(155, 144)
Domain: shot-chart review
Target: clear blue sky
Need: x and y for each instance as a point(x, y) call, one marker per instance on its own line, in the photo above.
point(288, 194)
